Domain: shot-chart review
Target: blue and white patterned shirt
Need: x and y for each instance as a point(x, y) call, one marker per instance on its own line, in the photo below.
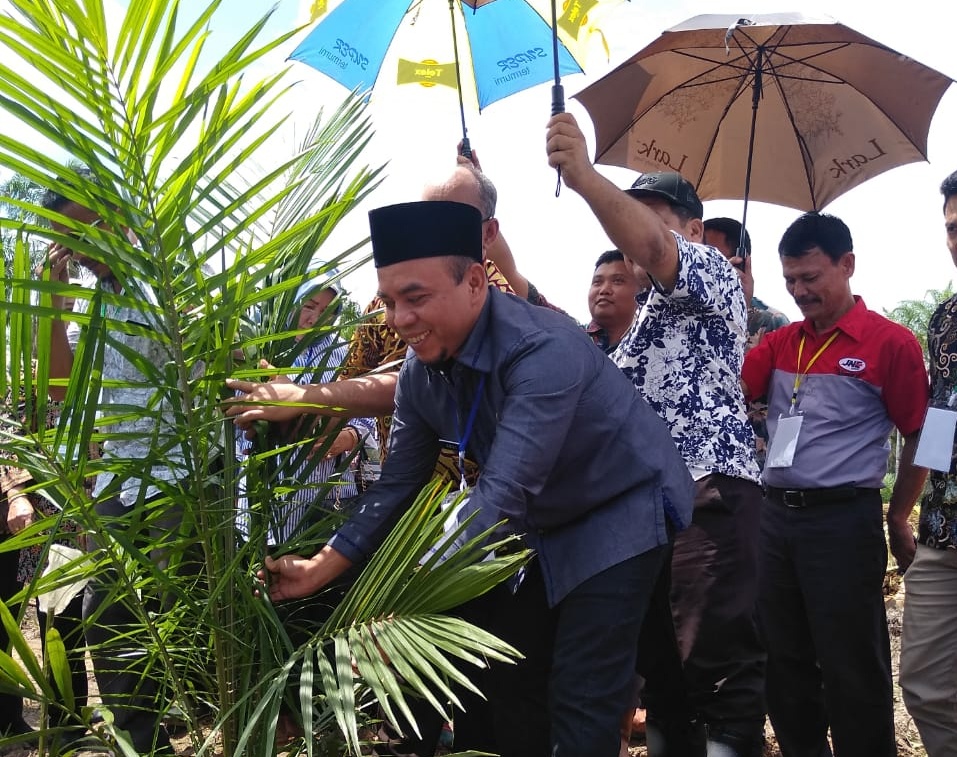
point(684, 354)
point(324, 357)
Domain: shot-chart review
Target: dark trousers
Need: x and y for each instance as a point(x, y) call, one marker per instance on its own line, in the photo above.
point(566, 697)
point(69, 625)
point(672, 730)
point(822, 615)
point(714, 587)
point(127, 681)
point(11, 705)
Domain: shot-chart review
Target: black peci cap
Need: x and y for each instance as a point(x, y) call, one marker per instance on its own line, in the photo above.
point(428, 229)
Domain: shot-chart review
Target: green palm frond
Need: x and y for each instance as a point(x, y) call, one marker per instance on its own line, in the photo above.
point(198, 204)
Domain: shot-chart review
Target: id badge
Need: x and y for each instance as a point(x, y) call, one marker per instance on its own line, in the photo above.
point(784, 442)
point(935, 446)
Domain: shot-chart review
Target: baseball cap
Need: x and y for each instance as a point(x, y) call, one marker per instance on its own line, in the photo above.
point(671, 186)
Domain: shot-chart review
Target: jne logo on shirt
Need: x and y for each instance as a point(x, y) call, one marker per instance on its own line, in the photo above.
point(852, 364)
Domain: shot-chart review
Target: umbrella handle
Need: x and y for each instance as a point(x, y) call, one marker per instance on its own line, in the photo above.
point(465, 149)
point(558, 106)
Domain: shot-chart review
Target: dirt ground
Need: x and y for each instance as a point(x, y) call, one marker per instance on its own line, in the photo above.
point(908, 740)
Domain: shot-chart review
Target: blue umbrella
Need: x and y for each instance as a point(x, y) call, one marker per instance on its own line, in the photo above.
point(508, 46)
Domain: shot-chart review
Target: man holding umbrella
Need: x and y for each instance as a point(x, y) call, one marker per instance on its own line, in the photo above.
point(684, 355)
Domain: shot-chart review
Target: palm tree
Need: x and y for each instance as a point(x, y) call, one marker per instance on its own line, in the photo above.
point(217, 242)
point(915, 314)
point(14, 191)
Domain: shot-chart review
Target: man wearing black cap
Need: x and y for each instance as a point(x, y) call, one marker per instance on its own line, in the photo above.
point(595, 494)
point(684, 354)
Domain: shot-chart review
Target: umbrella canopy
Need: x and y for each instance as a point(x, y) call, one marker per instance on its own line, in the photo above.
point(783, 108)
point(498, 47)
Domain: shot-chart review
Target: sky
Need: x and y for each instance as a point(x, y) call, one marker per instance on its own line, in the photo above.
point(895, 218)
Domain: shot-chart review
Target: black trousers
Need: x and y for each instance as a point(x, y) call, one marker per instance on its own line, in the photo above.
point(567, 696)
point(714, 589)
point(822, 614)
point(128, 683)
point(11, 705)
point(69, 625)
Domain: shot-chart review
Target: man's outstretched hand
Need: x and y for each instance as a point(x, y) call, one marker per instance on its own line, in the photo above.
point(294, 577)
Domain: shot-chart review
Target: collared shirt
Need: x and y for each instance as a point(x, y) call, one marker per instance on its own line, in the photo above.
point(134, 414)
point(684, 355)
point(375, 348)
point(761, 320)
point(600, 337)
point(938, 508)
point(869, 379)
point(569, 453)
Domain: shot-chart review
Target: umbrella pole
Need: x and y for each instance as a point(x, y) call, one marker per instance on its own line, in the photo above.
point(558, 91)
point(756, 92)
point(466, 147)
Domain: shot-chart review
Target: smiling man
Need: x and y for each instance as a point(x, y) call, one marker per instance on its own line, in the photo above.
point(837, 383)
point(612, 300)
point(597, 494)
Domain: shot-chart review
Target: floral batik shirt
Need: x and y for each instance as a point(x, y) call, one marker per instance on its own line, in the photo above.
point(938, 508)
point(684, 354)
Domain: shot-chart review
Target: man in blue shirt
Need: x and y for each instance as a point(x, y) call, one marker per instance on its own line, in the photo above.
point(570, 457)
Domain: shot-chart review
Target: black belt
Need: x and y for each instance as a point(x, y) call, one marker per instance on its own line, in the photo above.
point(799, 498)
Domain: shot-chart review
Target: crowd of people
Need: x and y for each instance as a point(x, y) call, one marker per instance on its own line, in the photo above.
point(698, 479)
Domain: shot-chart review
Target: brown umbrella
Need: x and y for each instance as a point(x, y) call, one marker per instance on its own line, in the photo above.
point(782, 108)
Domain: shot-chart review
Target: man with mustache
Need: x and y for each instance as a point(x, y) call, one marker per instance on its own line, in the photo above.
point(837, 383)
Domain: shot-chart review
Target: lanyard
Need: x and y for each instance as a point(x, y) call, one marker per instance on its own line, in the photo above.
point(799, 376)
point(464, 437)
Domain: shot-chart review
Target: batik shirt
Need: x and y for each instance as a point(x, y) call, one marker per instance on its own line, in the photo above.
point(684, 354)
point(761, 320)
point(938, 508)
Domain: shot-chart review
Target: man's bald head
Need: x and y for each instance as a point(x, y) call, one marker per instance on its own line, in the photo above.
point(466, 185)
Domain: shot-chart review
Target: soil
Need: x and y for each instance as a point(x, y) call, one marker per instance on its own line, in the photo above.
point(908, 740)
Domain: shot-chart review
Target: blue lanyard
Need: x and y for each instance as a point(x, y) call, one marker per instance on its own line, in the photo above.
point(464, 437)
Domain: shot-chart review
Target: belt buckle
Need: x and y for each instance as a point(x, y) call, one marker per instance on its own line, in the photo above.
point(793, 498)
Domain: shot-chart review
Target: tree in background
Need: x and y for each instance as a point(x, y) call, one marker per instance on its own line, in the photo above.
point(915, 314)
